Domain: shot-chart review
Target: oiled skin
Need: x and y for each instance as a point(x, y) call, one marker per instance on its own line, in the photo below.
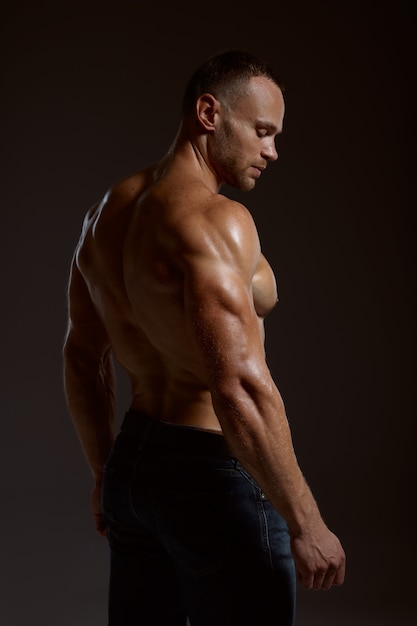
point(169, 277)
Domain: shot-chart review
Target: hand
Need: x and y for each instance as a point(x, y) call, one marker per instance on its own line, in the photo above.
point(319, 558)
point(97, 509)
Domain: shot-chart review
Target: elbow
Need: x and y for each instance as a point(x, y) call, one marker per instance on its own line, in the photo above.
point(77, 361)
point(71, 354)
point(245, 394)
point(246, 406)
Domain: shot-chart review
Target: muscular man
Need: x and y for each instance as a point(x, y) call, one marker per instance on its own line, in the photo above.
point(206, 510)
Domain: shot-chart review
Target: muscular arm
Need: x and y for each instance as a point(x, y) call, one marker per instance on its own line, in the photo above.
point(218, 274)
point(89, 381)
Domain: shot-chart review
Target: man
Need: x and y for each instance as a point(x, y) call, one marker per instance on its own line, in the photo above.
point(207, 512)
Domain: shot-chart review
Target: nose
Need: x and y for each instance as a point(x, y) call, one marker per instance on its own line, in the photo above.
point(269, 151)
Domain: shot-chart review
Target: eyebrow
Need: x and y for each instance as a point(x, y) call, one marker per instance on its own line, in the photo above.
point(269, 126)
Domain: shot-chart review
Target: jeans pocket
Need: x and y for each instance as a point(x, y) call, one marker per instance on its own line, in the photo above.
point(190, 514)
point(259, 494)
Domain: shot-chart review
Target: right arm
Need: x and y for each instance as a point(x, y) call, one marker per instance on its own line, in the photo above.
point(218, 272)
point(89, 382)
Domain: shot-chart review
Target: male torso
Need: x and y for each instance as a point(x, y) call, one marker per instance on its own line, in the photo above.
point(131, 255)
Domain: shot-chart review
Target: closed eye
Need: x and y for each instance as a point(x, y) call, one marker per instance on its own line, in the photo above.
point(265, 128)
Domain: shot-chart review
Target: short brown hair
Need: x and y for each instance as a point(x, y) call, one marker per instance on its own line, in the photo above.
point(224, 74)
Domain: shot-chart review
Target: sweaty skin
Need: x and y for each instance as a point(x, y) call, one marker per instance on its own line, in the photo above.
point(168, 276)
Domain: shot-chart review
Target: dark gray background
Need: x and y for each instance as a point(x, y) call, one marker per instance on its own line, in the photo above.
point(90, 93)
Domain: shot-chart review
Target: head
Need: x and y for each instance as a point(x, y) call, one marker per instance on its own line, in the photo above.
point(235, 101)
point(225, 76)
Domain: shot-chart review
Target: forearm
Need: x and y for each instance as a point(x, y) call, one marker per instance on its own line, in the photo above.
point(90, 393)
point(255, 425)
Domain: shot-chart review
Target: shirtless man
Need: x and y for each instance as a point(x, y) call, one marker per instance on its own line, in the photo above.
point(206, 509)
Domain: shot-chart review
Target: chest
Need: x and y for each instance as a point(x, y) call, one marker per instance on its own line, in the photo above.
point(264, 288)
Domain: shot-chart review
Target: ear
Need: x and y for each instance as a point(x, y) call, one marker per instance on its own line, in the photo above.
point(207, 108)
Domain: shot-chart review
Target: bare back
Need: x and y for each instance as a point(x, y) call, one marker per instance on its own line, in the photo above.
point(132, 255)
point(168, 276)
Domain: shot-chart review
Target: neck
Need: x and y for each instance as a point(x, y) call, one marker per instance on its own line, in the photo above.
point(189, 151)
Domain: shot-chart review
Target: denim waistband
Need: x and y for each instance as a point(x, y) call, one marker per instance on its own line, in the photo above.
point(144, 428)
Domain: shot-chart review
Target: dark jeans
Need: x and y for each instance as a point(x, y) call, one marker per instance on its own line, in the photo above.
point(191, 533)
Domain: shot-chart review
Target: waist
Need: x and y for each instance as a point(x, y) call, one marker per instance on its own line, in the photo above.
point(174, 438)
point(180, 405)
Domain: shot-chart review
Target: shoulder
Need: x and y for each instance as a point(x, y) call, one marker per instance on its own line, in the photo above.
point(113, 210)
point(121, 194)
point(217, 226)
point(125, 192)
point(129, 188)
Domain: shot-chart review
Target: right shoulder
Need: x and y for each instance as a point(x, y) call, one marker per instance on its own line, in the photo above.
point(117, 199)
point(121, 194)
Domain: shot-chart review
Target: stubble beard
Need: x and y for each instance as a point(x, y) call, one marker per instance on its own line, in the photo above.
point(228, 161)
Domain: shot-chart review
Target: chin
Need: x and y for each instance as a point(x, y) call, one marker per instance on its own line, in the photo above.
point(242, 183)
point(247, 185)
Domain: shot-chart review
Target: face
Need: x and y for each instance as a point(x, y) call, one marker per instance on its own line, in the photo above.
point(244, 140)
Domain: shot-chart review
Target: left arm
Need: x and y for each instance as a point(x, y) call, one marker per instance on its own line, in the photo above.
point(89, 382)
